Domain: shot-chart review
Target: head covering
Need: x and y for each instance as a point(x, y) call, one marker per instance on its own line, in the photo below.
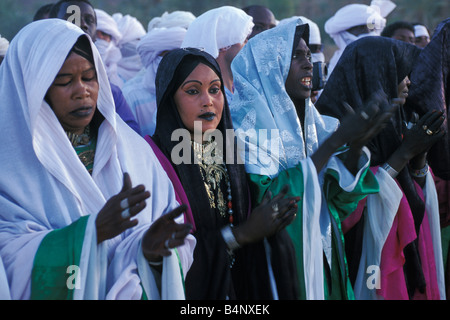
point(217, 29)
point(173, 19)
point(132, 31)
point(108, 25)
point(421, 31)
point(150, 47)
point(429, 91)
point(109, 51)
point(4, 44)
point(40, 159)
point(349, 16)
point(260, 102)
point(173, 69)
point(314, 31)
point(370, 65)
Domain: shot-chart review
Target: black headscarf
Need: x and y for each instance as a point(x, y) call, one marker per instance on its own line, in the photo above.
point(429, 90)
point(378, 65)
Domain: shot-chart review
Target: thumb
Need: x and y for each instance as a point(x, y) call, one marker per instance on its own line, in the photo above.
point(126, 181)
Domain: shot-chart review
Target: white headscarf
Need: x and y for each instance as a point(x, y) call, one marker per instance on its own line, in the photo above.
point(217, 29)
point(140, 91)
point(109, 51)
point(132, 31)
point(174, 19)
point(4, 44)
point(45, 186)
point(353, 15)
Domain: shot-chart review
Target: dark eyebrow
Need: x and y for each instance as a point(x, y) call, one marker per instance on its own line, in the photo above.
point(199, 82)
point(69, 74)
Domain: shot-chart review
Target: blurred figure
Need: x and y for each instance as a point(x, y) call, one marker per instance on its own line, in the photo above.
point(355, 21)
point(221, 32)
point(400, 30)
point(132, 31)
point(422, 35)
point(108, 37)
point(263, 18)
point(4, 44)
point(43, 12)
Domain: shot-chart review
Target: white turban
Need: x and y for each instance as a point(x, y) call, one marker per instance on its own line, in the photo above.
point(107, 24)
point(4, 44)
point(217, 29)
point(353, 15)
point(130, 27)
point(174, 19)
point(421, 31)
point(153, 44)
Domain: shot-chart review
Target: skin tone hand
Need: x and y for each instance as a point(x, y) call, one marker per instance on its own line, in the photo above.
point(370, 119)
point(264, 221)
point(165, 234)
point(110, 222)
point(416, 142)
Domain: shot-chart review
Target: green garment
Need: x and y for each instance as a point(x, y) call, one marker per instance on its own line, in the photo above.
point(340, 204)
point(52, 277)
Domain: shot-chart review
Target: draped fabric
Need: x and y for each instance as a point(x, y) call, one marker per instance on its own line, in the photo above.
point(217, 29)
point(429, 90)
point(173, 19)
point(46, 187)
point(377, 65)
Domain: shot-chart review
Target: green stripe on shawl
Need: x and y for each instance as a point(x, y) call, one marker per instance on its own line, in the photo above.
point(61, 248)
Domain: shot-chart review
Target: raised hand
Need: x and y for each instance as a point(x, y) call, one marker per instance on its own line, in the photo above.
point(271, 216)
point(115, 217)
point(165, 234)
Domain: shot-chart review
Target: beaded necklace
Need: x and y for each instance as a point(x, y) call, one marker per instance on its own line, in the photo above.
point(210, 160)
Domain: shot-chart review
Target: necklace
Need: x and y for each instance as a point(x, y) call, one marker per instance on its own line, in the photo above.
point(213, 171)
point(79, 139)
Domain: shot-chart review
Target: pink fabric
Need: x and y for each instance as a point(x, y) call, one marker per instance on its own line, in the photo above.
point(393, 285)
point(179, 190)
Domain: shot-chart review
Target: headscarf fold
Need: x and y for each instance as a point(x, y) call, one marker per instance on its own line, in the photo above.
point(217, 29)
point(46, 187)
point(429, 90)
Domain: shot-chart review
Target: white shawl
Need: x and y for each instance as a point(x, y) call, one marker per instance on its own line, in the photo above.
point(44, 186)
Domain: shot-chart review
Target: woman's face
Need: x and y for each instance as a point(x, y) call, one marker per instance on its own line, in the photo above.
point(200, 98)
point(403, 89)
point(73, 94)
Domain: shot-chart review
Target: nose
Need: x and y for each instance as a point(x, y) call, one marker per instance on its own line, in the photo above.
point(207, 100)
point(81, 90)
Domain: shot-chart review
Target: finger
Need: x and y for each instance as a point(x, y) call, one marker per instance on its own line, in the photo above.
point(175, 213)
point(138, 198)
point(126, 182)
point(267, 197)
point(348, 108)
point(281, 194)
point(137, 208)
point(128, 224)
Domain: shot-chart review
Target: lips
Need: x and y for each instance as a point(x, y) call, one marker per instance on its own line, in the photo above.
point(209, 116)
point(82, 112)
